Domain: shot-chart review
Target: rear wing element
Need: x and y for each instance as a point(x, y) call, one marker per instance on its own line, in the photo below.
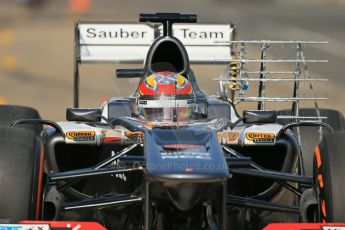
point(112, 42)
point(129, 42)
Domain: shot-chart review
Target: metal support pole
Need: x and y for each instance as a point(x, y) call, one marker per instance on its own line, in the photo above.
point(242, 69)
point(76, 66)
point(311, 87)
point(295, 104)
point(147, 206)
point(262, 85)
point(224, 207)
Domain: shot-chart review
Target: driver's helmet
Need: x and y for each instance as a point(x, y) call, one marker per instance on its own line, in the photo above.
point(166, 96)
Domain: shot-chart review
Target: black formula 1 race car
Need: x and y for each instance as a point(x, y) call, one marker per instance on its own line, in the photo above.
point(169, 156)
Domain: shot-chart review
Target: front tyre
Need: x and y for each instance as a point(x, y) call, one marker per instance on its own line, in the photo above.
point(20, 175)
point(10, 113)
point(329, 177)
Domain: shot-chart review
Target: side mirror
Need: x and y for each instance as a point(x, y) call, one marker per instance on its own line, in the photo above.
point(76, 114)
point(259, 116)
point(130, 73)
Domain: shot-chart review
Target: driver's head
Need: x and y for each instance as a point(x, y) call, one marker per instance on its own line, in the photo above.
point(162, 93)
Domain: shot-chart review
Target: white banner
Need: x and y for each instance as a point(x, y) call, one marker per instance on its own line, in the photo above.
point(202, 34)
point(115, 34)
point(122, 53)
point(130, 42)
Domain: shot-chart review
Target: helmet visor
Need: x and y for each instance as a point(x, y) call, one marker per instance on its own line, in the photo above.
point(166, 113)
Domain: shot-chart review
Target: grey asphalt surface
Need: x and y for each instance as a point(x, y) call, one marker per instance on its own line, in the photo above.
point(36, 47)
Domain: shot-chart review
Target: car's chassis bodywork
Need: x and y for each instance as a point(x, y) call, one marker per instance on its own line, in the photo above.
point(218, 171)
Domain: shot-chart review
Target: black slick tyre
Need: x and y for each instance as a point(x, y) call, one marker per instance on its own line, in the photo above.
point(20, 175)
point(310, 135)
point(329, 177)
point(9, 113)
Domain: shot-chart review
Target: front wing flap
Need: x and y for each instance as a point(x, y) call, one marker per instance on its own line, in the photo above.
point(72, 225)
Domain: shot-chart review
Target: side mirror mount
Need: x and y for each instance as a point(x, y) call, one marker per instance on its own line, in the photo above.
point(259, 116)
point(167, 19)
point(130, 73)
point(77, 114)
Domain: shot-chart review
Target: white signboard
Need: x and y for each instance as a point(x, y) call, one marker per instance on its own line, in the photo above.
point(103, 42)
point(115, 34)
point(205, 42)
point(130, 42)
point(202, 34)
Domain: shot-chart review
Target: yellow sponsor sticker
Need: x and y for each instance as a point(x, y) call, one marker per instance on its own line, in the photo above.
point(258, 137)
point(81, 135)
point(219, 136)
point(227, 137)
point(232, 136)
